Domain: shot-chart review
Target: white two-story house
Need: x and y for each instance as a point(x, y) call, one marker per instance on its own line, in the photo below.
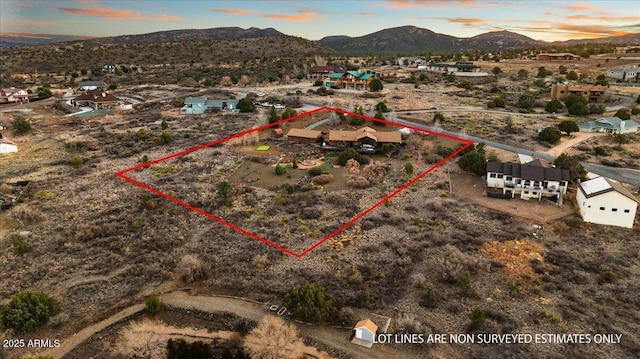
point(533, 179)
point(603, 201)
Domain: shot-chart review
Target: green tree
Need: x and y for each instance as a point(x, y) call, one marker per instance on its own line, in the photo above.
point(310, 303)
point(527, 101)
point(523, 74)
point(246, 105)
point(578, 109)
point(164, 138)
point(573, 99)
point(550, 134)
point(225, 193)
point(542, 72)
point(27, 311)
point(553, 106)
point(596, 108)
point(153, 305)
point(408, 169)
point(539, 83)
point(164, 125)
point(571, 163)
point(572, 75)
point(478, 318)
point(499, 102)
point(473, 161)
point(44, 92)
point(376, 85)
point(288, 112)
point(379, 115)
point(389, 149)
point(562, 69)
point(273, 115)
point(601, 80)
point(381, 106)
point(568, 126)
point(345, 156)
point(438, 117)
point(623, 114)
point(356, 121)
point(112, 87)
point(496, 70)
point(279, 170)
point(21, 126)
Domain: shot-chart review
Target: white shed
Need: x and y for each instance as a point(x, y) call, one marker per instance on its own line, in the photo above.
point(7, 146)
point(603, 201)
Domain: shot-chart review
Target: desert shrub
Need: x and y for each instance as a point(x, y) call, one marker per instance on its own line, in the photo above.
point(478, 318)
point(279, 170)
point(336, 199)
point(635, 111)
point(621, 139)
point(474, 162)
point(408, 324)
point(438, 117)
point(20, 245)
point(433, 158)
point(310, 302)
point(553, 106)
point(374, 171)
point(345, 156)
point(27, 311)
point(164, 138)
point(191, 269)
point(323, 179)
point(318, 83)
point(418, 280)
point(311, 213)
point(602, 151)
point(444, 151)
point(596, 108)
point(453, 262)
point(260, 261)
point(550, 134)
point(153, 305)
point(356, 121)
point(21, 126)
point(315, 171)
point(431, 298)
point(491, 104)
point(357, 182)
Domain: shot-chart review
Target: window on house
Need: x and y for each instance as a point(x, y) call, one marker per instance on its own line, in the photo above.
point(492, 175)
point(589, 206)
point(563, 183)
point(626, 211)
point(526, 183)
point(535, 193)
point(536, 183)
point(526, 192)
point(500, 175)
point(614, 210)
point(602, 208)
point(509, 178)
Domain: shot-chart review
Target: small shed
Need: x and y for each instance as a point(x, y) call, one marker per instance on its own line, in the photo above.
point(277, 133)
point(364, 333)
point(7, 146)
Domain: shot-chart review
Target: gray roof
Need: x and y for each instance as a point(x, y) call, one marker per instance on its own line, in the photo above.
point(533, 171)
point(195, 100)
point(92, 83)
point(609, 122)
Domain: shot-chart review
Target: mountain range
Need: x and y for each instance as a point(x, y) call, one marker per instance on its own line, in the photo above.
point(398, 40)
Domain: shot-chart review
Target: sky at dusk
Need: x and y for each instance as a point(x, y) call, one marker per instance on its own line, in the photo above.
point(540, 20)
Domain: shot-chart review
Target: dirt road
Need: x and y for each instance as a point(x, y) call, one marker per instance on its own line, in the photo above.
point(331, 337)
point(568, 142)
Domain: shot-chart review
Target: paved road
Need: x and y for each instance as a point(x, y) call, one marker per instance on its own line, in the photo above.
point(331, 337)
point(619, 174)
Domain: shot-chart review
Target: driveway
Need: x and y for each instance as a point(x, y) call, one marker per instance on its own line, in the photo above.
point(331, 337)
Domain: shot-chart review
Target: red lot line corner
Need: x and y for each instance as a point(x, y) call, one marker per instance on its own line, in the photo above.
point(123, 174)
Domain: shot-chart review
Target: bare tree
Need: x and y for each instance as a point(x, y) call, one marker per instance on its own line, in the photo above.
point(273, 338)
point(144, 339)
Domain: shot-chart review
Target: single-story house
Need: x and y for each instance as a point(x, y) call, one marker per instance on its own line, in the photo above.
point(364, 333)
point(355, 80)
point(613, 125)
point(96, 99)
point(12, 94)
point(407, 61)
point(534, 179)
point(591, 92)
point(628, 49)
point(624, 74)
point(299, 135)
point(363, 136)
point(459, 68)
point(91, 85)
point(603, 201)
point(198, 105)
point(7, 146)
point(563, 56)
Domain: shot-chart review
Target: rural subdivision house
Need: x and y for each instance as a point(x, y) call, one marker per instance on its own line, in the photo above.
point(624, 74)
point(322, 72)
point(364, 333)
point(612, 125)
point(199, 105)
point(590, 92)
point(563, 56)
point(628, 49)
point(363, 136)
point(533, 179)
point(302, 136)
point(7, 146)
point(603, 201)
point(96, 99)
point(13, 95)
point(354, 80)
point(91, 85)
point(458, 69)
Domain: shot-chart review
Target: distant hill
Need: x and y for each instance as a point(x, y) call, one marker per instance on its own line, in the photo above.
point(219, 33)
point(14, 39)
point(614, 40)
point(498, 40)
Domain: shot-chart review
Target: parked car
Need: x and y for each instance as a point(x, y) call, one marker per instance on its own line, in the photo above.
point(279, 106)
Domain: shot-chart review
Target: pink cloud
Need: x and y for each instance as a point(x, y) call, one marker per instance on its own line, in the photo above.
point(236, 11)
point(301, 16)
point(118, 14)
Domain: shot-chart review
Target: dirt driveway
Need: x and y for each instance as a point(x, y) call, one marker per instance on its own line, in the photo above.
point(331, 337)
point(568, 142)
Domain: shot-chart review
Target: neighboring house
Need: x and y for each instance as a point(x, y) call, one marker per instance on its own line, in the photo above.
point(91, 85)
point(613, 125)
point(198, 105)
point(533, 179)
point(628, 50)
point(362, 136)
point(7, 146)
point(12, 95)
point(591, 92)
point(126, 105)
point(96, 99)
point(321, 72)
point(624, 74)
point(408, 61)
point(364, 333)
point(109, 69)
point(563, 56)
point(298, 135)
point(458, 69)
point(354, 80)
point(603, 201)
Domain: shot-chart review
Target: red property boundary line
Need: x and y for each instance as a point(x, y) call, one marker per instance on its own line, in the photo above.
point(123, 174)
